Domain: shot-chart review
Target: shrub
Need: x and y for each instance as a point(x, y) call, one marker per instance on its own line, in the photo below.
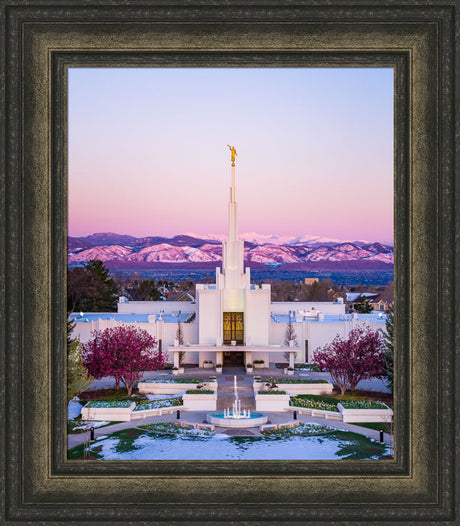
point(362, 404)
point(314, 402)
point(156, 404)
point(109, 403)
point(272, 392)
point(199, 391)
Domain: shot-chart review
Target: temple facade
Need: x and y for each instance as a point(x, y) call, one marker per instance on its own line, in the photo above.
point(232, 322)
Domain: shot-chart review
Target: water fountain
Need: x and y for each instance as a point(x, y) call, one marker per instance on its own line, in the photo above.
point(236, 417)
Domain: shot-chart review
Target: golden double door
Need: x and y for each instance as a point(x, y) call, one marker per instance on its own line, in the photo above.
point(233, 328)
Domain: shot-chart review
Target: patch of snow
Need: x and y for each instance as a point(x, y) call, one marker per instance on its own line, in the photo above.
point(73, 409)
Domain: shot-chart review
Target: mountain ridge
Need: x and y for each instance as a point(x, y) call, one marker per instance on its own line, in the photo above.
point(187, 249)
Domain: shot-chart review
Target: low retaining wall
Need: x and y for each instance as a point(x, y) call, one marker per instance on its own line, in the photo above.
point(113, 414)
point(296, 389)
point(331, 415)
point(169, 388)
point(145, 413)
point(200, 402)
point(271, 402)
point(366, 415)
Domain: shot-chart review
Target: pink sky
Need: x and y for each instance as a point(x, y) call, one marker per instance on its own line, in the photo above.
point(148, 151)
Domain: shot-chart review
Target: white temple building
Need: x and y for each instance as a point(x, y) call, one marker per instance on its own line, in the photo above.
point(232, 321)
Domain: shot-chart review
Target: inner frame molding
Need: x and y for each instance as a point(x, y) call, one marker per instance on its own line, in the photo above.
point(42, 42)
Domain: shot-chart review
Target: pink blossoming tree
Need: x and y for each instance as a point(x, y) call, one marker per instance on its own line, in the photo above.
point(359, 357)
point(121, 352)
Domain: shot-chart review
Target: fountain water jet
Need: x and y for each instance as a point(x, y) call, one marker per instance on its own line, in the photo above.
point(236, 417)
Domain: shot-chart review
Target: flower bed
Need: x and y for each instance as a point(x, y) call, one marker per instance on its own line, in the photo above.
point(295, 386)
point(109, 403)
point(199, 391)
point(300, 430)
point(156, 404)
point(381, 414)
point(173, 381)
point(271, 392)
point(314, 402)
point(306, 367)
point(292, 381)
point(363, 404)
point(173, 429)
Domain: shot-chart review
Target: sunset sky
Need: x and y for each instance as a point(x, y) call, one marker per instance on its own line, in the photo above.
point(148, 151)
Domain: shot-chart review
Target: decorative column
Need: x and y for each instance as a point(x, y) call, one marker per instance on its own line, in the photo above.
point(176, 359)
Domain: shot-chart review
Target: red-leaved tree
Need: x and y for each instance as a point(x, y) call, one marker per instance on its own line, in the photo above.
point(359, 357)
point(122, 352)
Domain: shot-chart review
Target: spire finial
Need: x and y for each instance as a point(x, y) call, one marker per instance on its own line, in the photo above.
point(233, 150)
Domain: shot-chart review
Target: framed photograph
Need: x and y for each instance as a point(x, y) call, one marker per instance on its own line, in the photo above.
point(45, 46)
point(147, 225)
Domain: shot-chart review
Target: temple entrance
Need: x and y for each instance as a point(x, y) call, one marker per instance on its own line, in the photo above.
point(233, 358)
point(233, 328)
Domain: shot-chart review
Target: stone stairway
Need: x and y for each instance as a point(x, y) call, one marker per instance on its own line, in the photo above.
point(226, 397)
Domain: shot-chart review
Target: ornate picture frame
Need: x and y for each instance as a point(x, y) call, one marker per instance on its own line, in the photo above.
point(41, 41)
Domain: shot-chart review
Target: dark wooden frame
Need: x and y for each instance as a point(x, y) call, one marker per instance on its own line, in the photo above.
point(40, 41)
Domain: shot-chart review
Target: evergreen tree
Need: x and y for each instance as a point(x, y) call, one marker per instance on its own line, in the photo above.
point(77, 378)
point(363, 307)
point(388, 339)
point(103, 291)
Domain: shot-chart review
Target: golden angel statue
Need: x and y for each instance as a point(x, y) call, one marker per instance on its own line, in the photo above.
point(233, 150)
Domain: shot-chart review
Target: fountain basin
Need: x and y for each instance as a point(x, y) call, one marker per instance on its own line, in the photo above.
point(219, 419)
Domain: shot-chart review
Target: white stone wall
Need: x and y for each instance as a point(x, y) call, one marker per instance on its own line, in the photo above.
point(154, 307)
point(209, 317)
point(325, 307)
point(257, 317)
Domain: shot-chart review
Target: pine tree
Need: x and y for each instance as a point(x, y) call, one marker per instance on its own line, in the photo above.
point(388, 339)
point(103, 289)
point(77, 378)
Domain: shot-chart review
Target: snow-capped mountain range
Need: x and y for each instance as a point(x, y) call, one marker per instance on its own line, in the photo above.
point(194, 248)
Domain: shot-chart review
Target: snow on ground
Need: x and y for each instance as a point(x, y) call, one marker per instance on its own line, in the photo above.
point(163, 397)
point(73, 409)
point(86, 424)
point(222, 447)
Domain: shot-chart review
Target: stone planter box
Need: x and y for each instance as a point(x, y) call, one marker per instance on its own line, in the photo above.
point(138, 415)
point(259, 365)
point(178, 371)
point(200, 402)
point(295, 389)
point(208, 365)
point(315, 389)
point(366, 415)
point(272, 402)
point(219, 370)
point(250, 370)
point(164, 388)
point(112, 414)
